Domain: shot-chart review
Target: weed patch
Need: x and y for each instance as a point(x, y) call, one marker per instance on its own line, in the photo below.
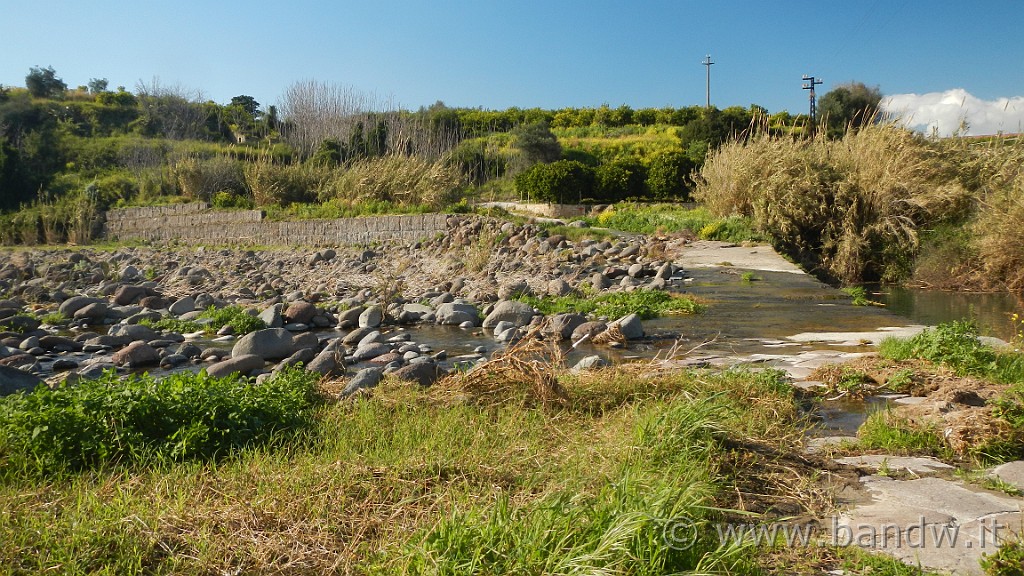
point(112, 420)
point(644, 303)
point(884, 430)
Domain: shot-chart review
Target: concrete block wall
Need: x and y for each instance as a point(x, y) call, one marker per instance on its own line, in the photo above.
point(197, 224)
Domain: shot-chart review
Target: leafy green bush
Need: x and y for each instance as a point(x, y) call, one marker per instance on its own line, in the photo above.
point(142, 419)
point(240, 321)
point(618, 180)
point(561, 182)
point(669, 176)
point(211, 320)
point(954, 344)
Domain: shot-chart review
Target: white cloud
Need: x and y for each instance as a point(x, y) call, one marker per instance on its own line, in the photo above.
point(944, 112)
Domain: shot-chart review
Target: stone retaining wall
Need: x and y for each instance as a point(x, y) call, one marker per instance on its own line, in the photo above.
point(196, 224)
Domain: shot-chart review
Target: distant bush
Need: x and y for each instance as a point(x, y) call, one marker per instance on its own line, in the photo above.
point(561, 182)
point(615, 181)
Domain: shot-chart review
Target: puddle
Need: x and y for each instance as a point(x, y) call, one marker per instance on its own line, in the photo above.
point(844, 417)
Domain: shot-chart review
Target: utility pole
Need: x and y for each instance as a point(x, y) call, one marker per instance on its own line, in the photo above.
point(707, 86)
point(809, 83)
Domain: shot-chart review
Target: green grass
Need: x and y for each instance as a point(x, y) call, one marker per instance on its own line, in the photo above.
point(884, 430)
point(1008, 560)
point(111, 420)
point(651, 218)
point(859, 296)
point(956, 345)
point(333, 209)
point(644, 303)
point(408, 482)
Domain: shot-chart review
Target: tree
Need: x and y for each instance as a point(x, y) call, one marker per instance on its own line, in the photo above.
point(850, 105)
point(98, 85)
point(43, 83)
point(248, 104)
point(536, 144)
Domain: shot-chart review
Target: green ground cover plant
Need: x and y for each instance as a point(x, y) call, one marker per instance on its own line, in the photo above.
point(645, 303)
point(113, 420)
point(671, 218)
point(211, 320)
point(409, 482)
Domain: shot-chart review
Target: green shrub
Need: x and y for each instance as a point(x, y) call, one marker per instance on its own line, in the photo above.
point(240, 321)
point(954, 344)
point(561, 182)
point(141, 419)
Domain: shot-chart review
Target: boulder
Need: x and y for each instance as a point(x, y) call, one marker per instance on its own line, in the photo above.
point(356, 336)
point(129, 294)
point(302, 356)
point(371, 317)
point(630, 326)
point(589, 363)
point(588, 330)
point(518, 287)
point(423, 374)
point(518, 313)
point(244, 364)
point(13, 381)
point(300, 312)
point(349, 318)
point(76, 303)
point(92, 312)
point(21, 323)
point(364, 379)
point(268, 344)
point(272, 316)
point(368, 351)
point(133, 332)
point(559, 287)
point(561, 326)
point(56, 343)
point(137, 354)
point(326, 362)
point(155, 302)
point(182, 306)
point(454, 314)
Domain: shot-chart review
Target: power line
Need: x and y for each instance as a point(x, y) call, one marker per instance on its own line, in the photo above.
point(809, 83)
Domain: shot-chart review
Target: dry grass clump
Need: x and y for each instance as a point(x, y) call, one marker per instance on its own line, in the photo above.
point(850, 208)
point(526, 372)
point(999, 233)
point(403, 180)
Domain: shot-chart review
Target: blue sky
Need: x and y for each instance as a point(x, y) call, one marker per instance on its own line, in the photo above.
point(942, 58)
